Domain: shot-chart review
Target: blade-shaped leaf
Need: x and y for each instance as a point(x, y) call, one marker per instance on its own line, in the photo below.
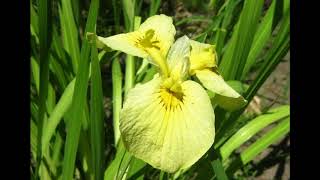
point(263, 34)
point(221, 34)
point(79, 98)
point(272, 136)
point(96, 115)
point(119, 165)
point(251, 128)
point(236, 54)
point(271, 60)
point(70, 32)
point(219, 170)
point(45, 40)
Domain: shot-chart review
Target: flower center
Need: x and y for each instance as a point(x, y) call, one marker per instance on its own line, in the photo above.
point(170, 99)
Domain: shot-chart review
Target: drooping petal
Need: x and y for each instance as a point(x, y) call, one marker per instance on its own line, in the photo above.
point(227, 97)
point(202, 56)
point(168, 131)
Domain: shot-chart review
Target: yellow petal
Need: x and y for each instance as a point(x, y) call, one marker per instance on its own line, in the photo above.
point(170, 132)
point(178, 58)
point(202, 56)
point(227, 97)
point(151, 41)
point(164, 32)
point(178, 64)
point(157, 32)
point(126, 42)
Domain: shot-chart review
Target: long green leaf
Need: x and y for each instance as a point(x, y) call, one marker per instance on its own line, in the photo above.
point(96, 115)
point(34, 20)
point(271, 60)
point(58, 73)
point(56, 152)
point(76, 11)
point(33, 138)
point(137, 169)
point(272, 136)
point(219, 170)
point(35, 73)
point(79, 98)
point(261, 37)
point(70, 33)
point(154, 6)
point(128, 12)
point(44, 39)
point(236, 54)
point(279, 49)
point(119, 165)
point(85, 155)
point(251, 128)
point(222, 31)
point(60, 55)
point(51, 99)
point(58, 112)
point(116, 15)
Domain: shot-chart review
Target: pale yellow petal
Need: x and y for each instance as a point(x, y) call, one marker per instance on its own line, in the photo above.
point(163, 29)
point(167, 132)
point(126, 42)
point(178, 58)
point(178, 64)
point(202, 56)
point(227, 97)
point(151, 41)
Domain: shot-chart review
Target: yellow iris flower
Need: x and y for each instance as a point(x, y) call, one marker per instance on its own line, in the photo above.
point(169, 121)
point(203, 60)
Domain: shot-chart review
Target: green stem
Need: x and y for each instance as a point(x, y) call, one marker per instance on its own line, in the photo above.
point(130, 74)
point(117, 97)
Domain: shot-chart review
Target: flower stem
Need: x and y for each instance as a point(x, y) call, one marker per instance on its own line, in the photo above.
point(117, 97)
